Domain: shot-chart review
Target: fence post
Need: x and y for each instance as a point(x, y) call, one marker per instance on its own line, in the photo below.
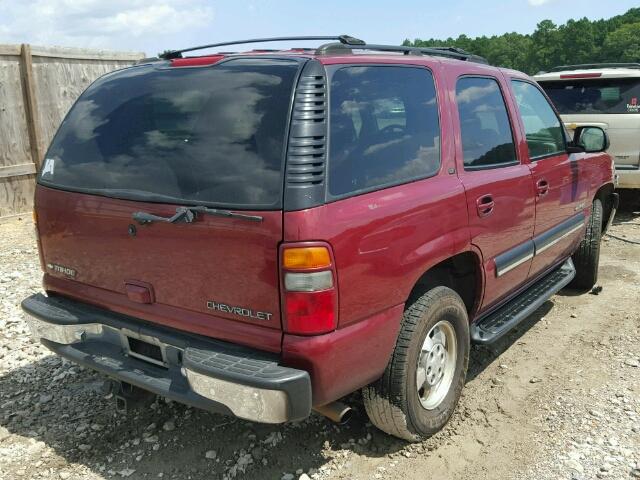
point(30, 104)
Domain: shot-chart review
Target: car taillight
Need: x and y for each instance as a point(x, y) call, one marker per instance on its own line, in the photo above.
point(309, 291)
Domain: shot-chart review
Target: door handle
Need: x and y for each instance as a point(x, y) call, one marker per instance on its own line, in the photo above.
point(485, 205)
point(542, 187)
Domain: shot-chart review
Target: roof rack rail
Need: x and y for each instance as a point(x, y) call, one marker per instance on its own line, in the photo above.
point(593, 66)
point(343, 39)
point(449, 52)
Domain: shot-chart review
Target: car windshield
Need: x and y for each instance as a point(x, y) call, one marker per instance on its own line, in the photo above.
point(206, 135)
point(612, 95)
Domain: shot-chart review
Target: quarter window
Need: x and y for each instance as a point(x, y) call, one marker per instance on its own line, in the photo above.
point(545, 135)
point(487, 140)
point(384, 128)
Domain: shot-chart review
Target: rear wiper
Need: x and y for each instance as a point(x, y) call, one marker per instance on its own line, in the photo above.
point(225, 213)
point(188, 215)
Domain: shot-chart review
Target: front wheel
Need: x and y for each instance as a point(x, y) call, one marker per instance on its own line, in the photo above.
point(421, 385)
point(587, 258)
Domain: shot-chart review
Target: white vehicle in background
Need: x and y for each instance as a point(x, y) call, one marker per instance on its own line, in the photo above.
point(606, 95)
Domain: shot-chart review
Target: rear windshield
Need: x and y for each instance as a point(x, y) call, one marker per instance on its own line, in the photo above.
point(207, 135)
point(614, 95)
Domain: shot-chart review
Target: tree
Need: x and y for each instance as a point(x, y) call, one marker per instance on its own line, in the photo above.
point(577, 43)
point(546, 53)
point(616, 39)
point(509, 50)
point(623, 44)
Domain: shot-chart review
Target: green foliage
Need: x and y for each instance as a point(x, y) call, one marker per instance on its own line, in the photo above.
point(624, 43)
point(577, 41)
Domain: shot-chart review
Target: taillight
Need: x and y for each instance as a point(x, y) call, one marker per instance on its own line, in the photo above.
point(309, 290)
point(296, 258)
point(308, 282)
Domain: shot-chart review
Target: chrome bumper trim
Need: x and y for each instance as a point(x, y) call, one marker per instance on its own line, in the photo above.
point(249, 403)
point(627, 178)
point(64, 334)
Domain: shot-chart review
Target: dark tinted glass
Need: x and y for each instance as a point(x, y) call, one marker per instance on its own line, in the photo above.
point(212, 135)
point(614, 95)
point(384, 128)
point(545, 134)
point(487, 140)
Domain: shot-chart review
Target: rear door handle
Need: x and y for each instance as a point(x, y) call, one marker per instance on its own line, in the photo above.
point(485, 205)
point(542, 187)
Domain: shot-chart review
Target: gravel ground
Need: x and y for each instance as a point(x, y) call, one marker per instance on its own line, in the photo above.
point(559, 398)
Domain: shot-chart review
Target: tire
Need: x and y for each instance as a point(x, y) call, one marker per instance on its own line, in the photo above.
point(393, 402)
point(587, 257)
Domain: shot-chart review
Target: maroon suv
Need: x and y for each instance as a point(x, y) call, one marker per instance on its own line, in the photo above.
point(263, 233)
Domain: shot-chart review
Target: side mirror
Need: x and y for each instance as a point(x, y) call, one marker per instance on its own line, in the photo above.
point(589, 140)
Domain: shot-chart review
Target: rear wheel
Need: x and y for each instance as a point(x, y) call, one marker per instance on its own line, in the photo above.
point(587, 257)
point(421, 385)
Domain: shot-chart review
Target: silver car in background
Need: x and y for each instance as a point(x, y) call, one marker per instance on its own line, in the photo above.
point(606, 95)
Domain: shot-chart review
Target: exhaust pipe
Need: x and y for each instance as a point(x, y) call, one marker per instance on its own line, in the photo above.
point(337, 412)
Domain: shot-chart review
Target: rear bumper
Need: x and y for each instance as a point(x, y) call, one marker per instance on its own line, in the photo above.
point(628, 178)
point(195, 370)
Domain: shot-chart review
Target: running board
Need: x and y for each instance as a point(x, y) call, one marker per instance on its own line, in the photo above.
point(493, 326)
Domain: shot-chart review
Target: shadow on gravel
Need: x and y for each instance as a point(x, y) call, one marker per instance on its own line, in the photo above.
point(484, 355)
point(626, 217)
point(61, 405)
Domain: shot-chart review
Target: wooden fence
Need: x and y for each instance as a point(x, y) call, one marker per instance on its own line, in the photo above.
point(38, 85)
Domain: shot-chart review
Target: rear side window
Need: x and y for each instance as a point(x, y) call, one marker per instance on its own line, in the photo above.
point(384, 128)
point(545, 134)
point(613, 95)
point(209, 135)
point(487, 140)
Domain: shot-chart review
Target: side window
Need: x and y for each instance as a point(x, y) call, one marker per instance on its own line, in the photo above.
point(487, 140)
point(545, 133)
point(384, 128)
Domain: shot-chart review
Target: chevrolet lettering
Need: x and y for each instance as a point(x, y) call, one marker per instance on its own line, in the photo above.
point(241, 311)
